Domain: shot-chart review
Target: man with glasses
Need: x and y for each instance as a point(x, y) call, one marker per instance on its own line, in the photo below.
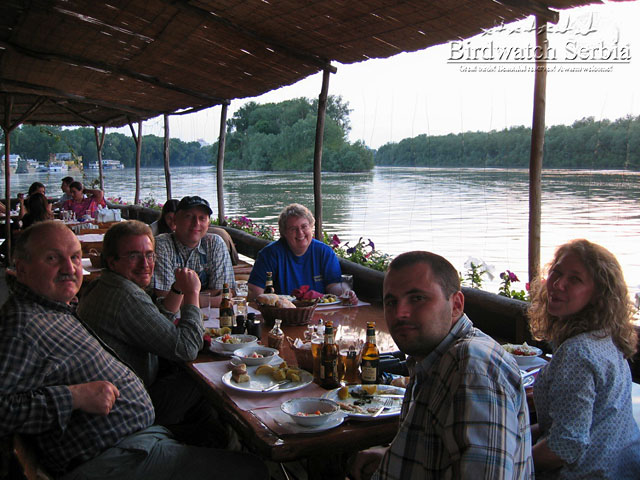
point(297, 259)
point(191, 246)
point(119, 310)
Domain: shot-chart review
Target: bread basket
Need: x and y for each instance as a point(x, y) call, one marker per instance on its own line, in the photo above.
point(289, 316)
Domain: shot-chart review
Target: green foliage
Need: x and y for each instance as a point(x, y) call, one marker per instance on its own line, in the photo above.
point(362, 253)
point(585, 144)
point(245, 224)
point(281, 136)
point(505, 290)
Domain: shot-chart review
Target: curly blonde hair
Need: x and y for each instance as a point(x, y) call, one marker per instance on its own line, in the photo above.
point(611, 309)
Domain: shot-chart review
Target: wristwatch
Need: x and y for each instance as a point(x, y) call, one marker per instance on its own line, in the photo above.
point(175, 290)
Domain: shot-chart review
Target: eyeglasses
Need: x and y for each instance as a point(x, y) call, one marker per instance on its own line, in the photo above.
point(305, 227)
point(135, 257)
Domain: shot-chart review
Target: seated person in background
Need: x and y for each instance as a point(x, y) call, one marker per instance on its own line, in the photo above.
point(119, 310)
point(38, 208)
point(464, 414)
point(166, 222)
point(297, 259)
point(585, 423)
point(83, 200)
point(191, 246)
point(88, 415)
point(35, 187)
point(66, 194)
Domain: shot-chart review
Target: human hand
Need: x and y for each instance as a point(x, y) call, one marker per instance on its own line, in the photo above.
point(187, 280)
point(366, 462)
point(94, 397)
point(353, 298)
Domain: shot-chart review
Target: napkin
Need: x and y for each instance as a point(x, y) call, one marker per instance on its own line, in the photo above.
point(304, 293)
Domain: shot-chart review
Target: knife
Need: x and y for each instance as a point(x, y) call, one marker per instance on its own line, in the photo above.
point(276, 385)
point(531, 372)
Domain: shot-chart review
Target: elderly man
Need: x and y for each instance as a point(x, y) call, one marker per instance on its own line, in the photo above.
point(190, 246)
point(297, 259)
point(88, 414)
point(465, 412)
point(119, 310)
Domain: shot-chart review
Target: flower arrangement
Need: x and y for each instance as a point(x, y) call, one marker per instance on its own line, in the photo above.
point(150, 202)
point(362, 253)
point(476, 269)
point(507, 278)
point(245, 224)
point(116, 200)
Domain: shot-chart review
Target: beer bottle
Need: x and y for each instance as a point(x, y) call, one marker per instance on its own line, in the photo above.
point(370, 357)
point(268, 286)
point(329, 359)
point(226, 308)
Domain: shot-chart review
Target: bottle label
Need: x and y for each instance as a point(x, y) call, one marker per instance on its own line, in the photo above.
point(226, 321)
point(369, 372)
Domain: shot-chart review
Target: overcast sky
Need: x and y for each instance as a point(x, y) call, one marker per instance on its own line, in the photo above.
point(595, 72)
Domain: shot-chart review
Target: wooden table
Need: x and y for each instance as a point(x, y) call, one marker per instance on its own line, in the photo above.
point(349, 437)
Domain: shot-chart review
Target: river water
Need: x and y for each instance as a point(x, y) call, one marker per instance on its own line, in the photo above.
point(458, 213)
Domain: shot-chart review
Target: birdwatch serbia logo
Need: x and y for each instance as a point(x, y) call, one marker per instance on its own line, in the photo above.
point(583, 44)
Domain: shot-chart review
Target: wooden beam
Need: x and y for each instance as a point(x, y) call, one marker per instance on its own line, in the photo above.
point(317, 153)
point(222, 140)
point(537, 150)
point(529, 7)
point(107, 68)
point(99, 144)
point(138, 141)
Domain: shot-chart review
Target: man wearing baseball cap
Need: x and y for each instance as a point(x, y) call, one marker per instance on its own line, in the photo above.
point(191, 246)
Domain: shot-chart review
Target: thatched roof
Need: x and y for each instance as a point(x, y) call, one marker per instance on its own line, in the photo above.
point(88, 62)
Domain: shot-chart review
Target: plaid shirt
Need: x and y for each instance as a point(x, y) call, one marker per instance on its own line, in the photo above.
point(464, 414)
point(210, 257)
point(125, 317)
point(43, 349)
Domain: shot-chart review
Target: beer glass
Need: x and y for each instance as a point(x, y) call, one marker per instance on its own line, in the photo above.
point(347, 285)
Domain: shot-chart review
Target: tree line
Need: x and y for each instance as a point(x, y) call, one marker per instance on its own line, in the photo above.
point(587, 144)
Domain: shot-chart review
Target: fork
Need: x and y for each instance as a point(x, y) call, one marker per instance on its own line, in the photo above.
point(386, 405)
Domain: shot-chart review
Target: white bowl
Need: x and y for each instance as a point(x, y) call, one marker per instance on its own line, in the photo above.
point(303, 410)
point(244, 341)
point(244, 354)
point(524, 361)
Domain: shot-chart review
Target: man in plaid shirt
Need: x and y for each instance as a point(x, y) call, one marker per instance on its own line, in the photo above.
point(87, 413)
point(464, 413)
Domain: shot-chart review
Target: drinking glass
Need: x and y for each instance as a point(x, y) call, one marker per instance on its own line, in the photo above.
point(241, 305)
point(346, 284)
point(205, 305)
point(242, 288)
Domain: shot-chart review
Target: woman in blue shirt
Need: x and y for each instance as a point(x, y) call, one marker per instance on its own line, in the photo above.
point(585, 423)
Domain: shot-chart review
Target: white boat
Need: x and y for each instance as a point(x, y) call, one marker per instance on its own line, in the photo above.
point(107, 165)
point(52, 167)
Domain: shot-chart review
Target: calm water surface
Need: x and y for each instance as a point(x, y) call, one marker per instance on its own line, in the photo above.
point(458, 213)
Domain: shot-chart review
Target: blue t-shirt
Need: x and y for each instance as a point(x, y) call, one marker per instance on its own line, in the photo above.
point(318, 267)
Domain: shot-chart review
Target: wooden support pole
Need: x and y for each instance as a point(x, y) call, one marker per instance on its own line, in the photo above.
point(167, 145)
point(537, 148)
point(138, 140)
point(317, 152)
point(99, 144)
point(222, 139)
point(7, 190)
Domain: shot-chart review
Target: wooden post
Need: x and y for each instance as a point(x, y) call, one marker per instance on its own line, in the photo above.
point(7, 187)
point(317, 152)
point(167, 144)
point(138, 140)
point(222, 138)
point(99, 145)
point(537, 148)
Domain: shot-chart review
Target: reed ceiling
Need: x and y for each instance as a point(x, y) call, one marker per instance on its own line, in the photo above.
point(88, 62)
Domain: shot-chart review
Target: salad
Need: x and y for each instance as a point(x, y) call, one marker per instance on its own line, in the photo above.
point(524, 349)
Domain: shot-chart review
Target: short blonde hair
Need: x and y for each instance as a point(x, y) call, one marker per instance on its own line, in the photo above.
point(611, 309)
point(294, 210)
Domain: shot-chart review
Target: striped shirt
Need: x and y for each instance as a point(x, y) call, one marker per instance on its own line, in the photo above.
point(43, 349)
point(210, 259)
point(464, 414)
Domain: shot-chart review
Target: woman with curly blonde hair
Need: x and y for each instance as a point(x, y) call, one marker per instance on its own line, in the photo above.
point(585, 424)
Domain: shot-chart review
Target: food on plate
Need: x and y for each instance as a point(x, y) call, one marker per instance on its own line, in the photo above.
point(353, 408)
point(293, 376)
point(278, 375)
point(524, 349)
point(303, 414)
point(217, 332)
point(239, 373)
point(255, 355)
point(343, 393)
point(328, 299)
point(264, 370)
point(226, 338)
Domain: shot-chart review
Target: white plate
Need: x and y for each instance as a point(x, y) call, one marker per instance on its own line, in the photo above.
point(235, 360)
point(375, 402)
point(297, 428)
point(260, 382)
point(323, 304)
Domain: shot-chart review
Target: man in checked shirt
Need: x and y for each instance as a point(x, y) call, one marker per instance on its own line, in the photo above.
point(464, 413)
point(88, 414)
